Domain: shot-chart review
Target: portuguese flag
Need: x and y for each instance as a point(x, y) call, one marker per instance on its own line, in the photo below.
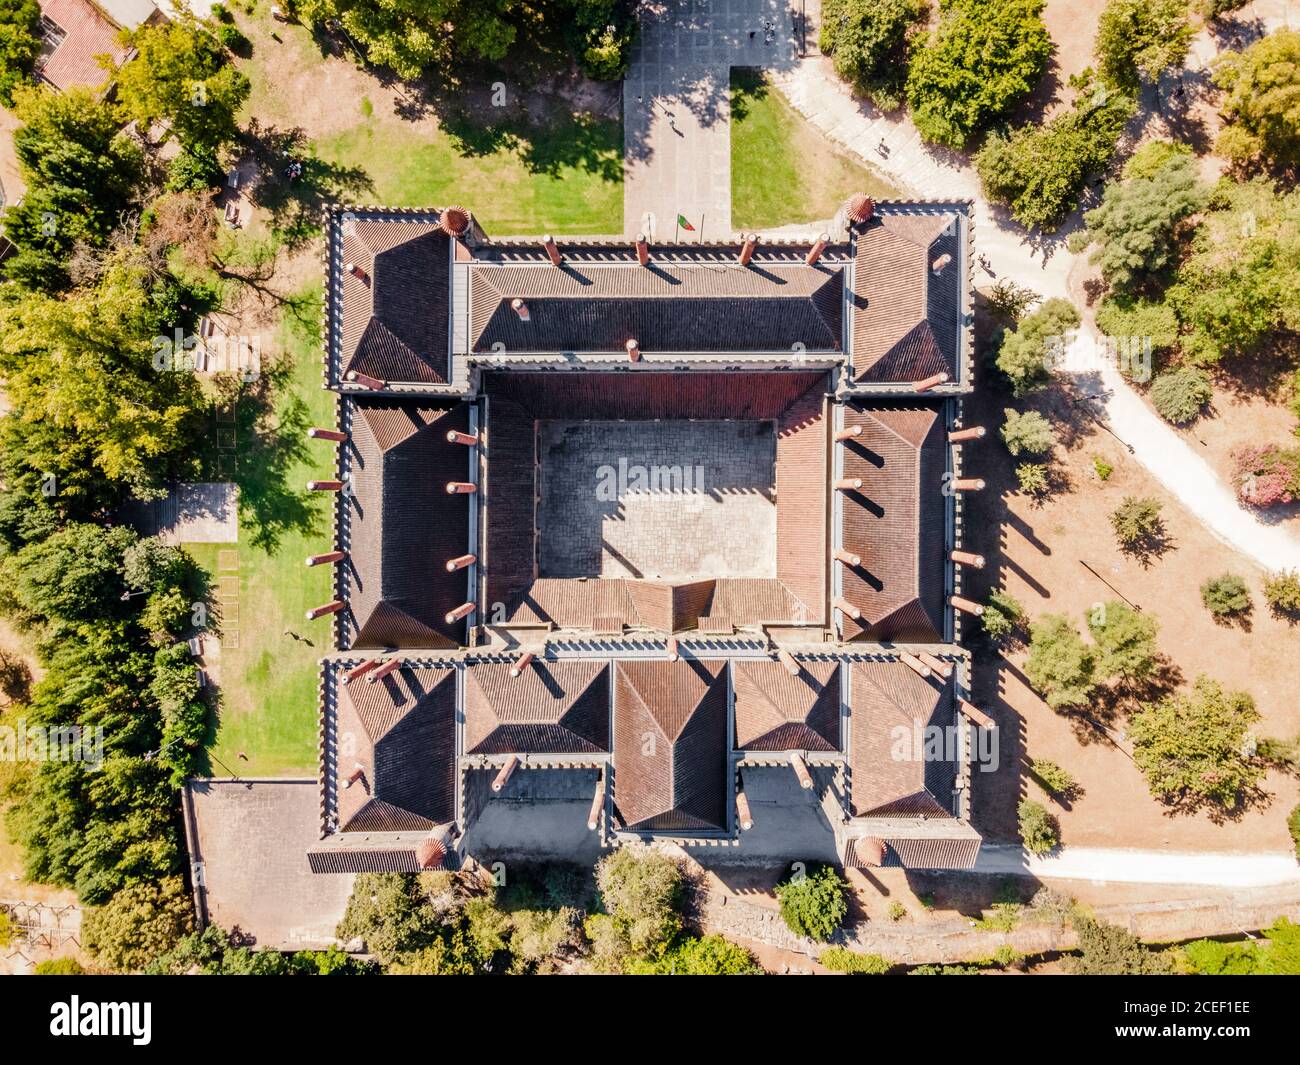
point(681, 221)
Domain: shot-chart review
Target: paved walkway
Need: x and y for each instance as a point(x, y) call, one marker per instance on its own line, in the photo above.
point(1043, 263)
point(677, 109)
point(1143, 867)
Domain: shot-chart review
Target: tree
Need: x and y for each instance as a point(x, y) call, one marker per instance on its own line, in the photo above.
point(80, 174)
point(843, 960)
point(1126, 641)
point(1010, 301)
point(1032, 478)
point(983, 59)
point(1262, 107)
point(20, 43)
point(1266, 475)
point(641, 890)
point(1029, 432)
point(1282, 593)
point(1137, 40)
point(868, 40)
point(1055, 780)
point(1061, 667)
point(180, 76)
point(1134, 229)
point(1194, 748)
point(813, 903)
point(1137, 320)
point(1180, 395)
point(602, 33)
point(1039, 171)
point(1240, 284)
point(1226, 595)
point(700, 956)
point(1137, 523)
point(59, 967)
point(1108, 950)
point(73, 575)
point(389, 912)
point(138, 924)
point(1027, 353)
point(1003, 615)
point(1039, 830)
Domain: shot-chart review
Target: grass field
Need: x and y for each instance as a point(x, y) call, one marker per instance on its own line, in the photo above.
point(267, 680)
point(783, 170)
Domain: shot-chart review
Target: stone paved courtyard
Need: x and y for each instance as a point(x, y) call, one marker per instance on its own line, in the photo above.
point(668, 500)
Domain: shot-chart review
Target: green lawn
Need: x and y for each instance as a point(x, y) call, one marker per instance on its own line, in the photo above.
point(782, 169)
point(268, 696)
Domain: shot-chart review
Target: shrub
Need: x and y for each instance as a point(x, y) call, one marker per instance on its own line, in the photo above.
point(868, 40)
point(1103, 468)
point(1293, 826)
point(1193, 747)
point(1180, 395)
point(1033, 478)
point(139, 923)
point(1138, 39)
point(233, 38)
point(194, 170)
point(1039, 830)
point(1055, 780)
point(1121, 316)
point(897, 911)
point(641, 889)
point(20, 44)
point(1262, 121)
point(59, 967)
point(1003, 615)
point(1282, 593)
point(813, 903)
point(1137, 521)
point(1061, 667)
point(1108, 950)
point(1026, 354)
point(843, 960)
point(1225, 595)
point(985, 56)
point(1126, 641)
point(1011, 302)
point(1029, 432)
point(699, 956)
point(1266, 475)
point(221, 13)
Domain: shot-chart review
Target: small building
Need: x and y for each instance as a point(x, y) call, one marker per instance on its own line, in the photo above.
point(75, 33)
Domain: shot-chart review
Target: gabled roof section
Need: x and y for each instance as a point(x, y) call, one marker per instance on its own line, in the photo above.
point(909, 297)
point(775, 711)
point(391, 315)
point(896, 768)
point(400, 732)
point(670, 745)
point(559, 707)
point(400, 525)
point(671, 307)
point(895, 523)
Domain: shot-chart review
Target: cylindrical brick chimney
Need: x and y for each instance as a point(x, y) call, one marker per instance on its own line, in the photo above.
point(521, 663)
point(597, 804)
point(966, 606)
point(944, 669)
point(326, 434)
point(324, 486)
point(360, 671)
point(848, 484)
point(967, 558)
point(327, 558)
point(520, 308)
point(967, 484)
point(845, 607)
point(461, 488)
point(939, 263)
point(389, 667)
point(356, 377)
point(642, 250)
point(460, 562)
point(975, 713)
point(320, 611)
point(815, 252)
point(801, 771)
point(747, 249)
point(743, 816)
point(847, 557)
point(672, 649)
point(789, 661)
point(975, 432)
point(552, 252)
point(929, 382)
point(356, 271)
point(849, 432)
point(914, 664)
point(633, 350)
point(462, 611)
point(455, 436)
point(506, 771)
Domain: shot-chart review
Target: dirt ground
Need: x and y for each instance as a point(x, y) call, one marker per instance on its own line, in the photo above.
point(1040, 559)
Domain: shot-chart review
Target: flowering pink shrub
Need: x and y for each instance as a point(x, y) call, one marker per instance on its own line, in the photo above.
point(1266, 476)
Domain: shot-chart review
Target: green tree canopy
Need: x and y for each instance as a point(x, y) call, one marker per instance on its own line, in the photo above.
point(1061, 667)
point(868, 42)
point(139, 924)
point(20, 43)
point(1137, 40)
point(813, 902)
point(1126, 641)
point(1028, 432)
point(1027, 353)
point(1262, 106)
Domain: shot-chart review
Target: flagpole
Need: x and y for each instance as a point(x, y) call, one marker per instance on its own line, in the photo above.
point(677, 229)
point(700, 238)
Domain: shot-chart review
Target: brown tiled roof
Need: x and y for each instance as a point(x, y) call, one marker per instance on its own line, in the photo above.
point(795, 401)
point(914, 852)
point(394, 322)
point(670, 745)
point(557, 707)
point(775, 711)
point(402, 526)
point(357, 860)
point(906, 320)
point(895, 523)
point(672, 307)
point(400, 732)
point(89, 34)
point(887, 696)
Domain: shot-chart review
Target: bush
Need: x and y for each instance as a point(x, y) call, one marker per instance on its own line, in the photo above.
point(233, 38)
point(194, 170)
point(20, 44)
point(1226, 595)
point(1061, 667)
point(1003, 615)
point(1039, 830)
point(641, 889)
point(1262, 121)
point(1293, 826)
point(1137, 521)
point(1194, 747)
point(1055, 780)
point(843, 960)
point(1126, 641)
point(1027, 353)
point(1123, 316)
point(1138, 39)
point(139, 923)
point(1266, 475)
point(1180, 395)
point(1033, 479)
point(221, 13)
point(1103, 468)
point(1282, 593)
point(868, 40)
point(699, 956)
point(1009, 301)
point(813, 903)
point(59, 967)
point(1029, 432)
point(1108, 950)
point(897, 911)
point(984, 58)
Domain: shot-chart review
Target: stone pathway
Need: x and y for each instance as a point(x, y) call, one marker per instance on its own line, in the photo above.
point(677, 109)
point(1124, 866)
point(1044, 264)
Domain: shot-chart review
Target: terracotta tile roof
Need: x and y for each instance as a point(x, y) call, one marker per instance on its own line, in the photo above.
point(356, 860)
point(914, 852)
point(895, 522)
point(401, 526)
point(400, 732)
point(393, 322)
point(517, 401)
point(670, 307)
point(557, 707)
point(775, 711)
point(89, 33)
point(888, 704)
point(670, 745)
point(907, 320)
